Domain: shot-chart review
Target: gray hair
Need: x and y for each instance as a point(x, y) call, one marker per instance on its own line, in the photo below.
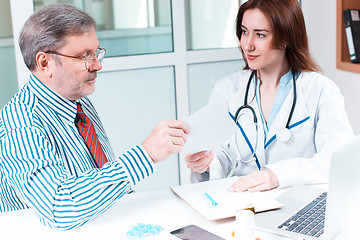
point(47, 28)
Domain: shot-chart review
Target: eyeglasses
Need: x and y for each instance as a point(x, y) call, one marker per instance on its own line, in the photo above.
point(89, 59)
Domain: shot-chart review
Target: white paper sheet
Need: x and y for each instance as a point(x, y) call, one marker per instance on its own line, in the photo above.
point(209, 126)
point(227, 202)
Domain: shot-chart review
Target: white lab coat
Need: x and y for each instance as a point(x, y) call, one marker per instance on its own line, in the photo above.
point(319, 125)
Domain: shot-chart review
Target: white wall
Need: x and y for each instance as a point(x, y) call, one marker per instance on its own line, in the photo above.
point(320, 18)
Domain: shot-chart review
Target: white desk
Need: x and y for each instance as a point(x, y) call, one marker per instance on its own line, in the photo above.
point(160, 207)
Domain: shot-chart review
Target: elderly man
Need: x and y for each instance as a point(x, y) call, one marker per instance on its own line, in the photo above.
point(55, 157)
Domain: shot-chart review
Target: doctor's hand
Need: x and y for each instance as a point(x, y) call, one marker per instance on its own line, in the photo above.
point(167, 138)
point(256, 181)
point(199, 162)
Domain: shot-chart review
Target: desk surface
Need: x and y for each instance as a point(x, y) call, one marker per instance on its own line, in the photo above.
point(160, 207)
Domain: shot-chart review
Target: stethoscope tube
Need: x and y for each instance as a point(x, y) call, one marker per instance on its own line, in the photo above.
point(246, 106)
point(294, 101)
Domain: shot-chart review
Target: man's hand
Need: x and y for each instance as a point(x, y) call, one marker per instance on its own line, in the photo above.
point(167, 138)
point(256, 181)
point(199, 162)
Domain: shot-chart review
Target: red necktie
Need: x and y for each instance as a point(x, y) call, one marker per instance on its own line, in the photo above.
point(87, 131)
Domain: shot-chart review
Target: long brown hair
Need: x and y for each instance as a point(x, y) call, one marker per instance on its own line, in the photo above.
point(288, 27)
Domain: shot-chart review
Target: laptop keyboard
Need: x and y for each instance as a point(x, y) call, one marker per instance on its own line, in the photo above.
point(309, 220)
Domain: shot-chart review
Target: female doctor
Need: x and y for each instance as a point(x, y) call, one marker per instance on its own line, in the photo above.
point(290, 117)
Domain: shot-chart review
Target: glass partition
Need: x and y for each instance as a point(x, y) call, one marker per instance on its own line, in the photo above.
point(127, 27)
point(130, 104)
point(210, 23)
point(202, 78)
point(5, 19)
point(8, 80)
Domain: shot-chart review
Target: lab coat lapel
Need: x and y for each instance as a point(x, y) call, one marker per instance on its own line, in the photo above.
point(300, 115)
point(282, 117)
point(301, 112)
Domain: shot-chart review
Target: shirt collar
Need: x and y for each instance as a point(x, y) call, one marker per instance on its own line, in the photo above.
point(283, 90)
point(286, 79)
point(65, 108)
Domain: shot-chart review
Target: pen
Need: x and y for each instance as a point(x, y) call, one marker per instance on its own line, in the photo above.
point(212, 200)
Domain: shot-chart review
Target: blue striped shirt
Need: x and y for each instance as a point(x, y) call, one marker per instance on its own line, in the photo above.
point(46, 166)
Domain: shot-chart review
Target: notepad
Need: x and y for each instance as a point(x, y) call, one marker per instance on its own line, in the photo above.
point(227, 202)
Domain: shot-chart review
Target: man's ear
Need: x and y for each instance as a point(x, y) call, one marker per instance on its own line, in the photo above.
point(42, 63)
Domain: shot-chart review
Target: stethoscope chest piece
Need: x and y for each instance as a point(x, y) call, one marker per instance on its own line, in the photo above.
point(283, 135)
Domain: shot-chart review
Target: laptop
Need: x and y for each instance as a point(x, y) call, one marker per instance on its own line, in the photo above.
point(314, 213)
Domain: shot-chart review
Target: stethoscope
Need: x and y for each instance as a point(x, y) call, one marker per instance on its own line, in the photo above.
point(284, 134)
